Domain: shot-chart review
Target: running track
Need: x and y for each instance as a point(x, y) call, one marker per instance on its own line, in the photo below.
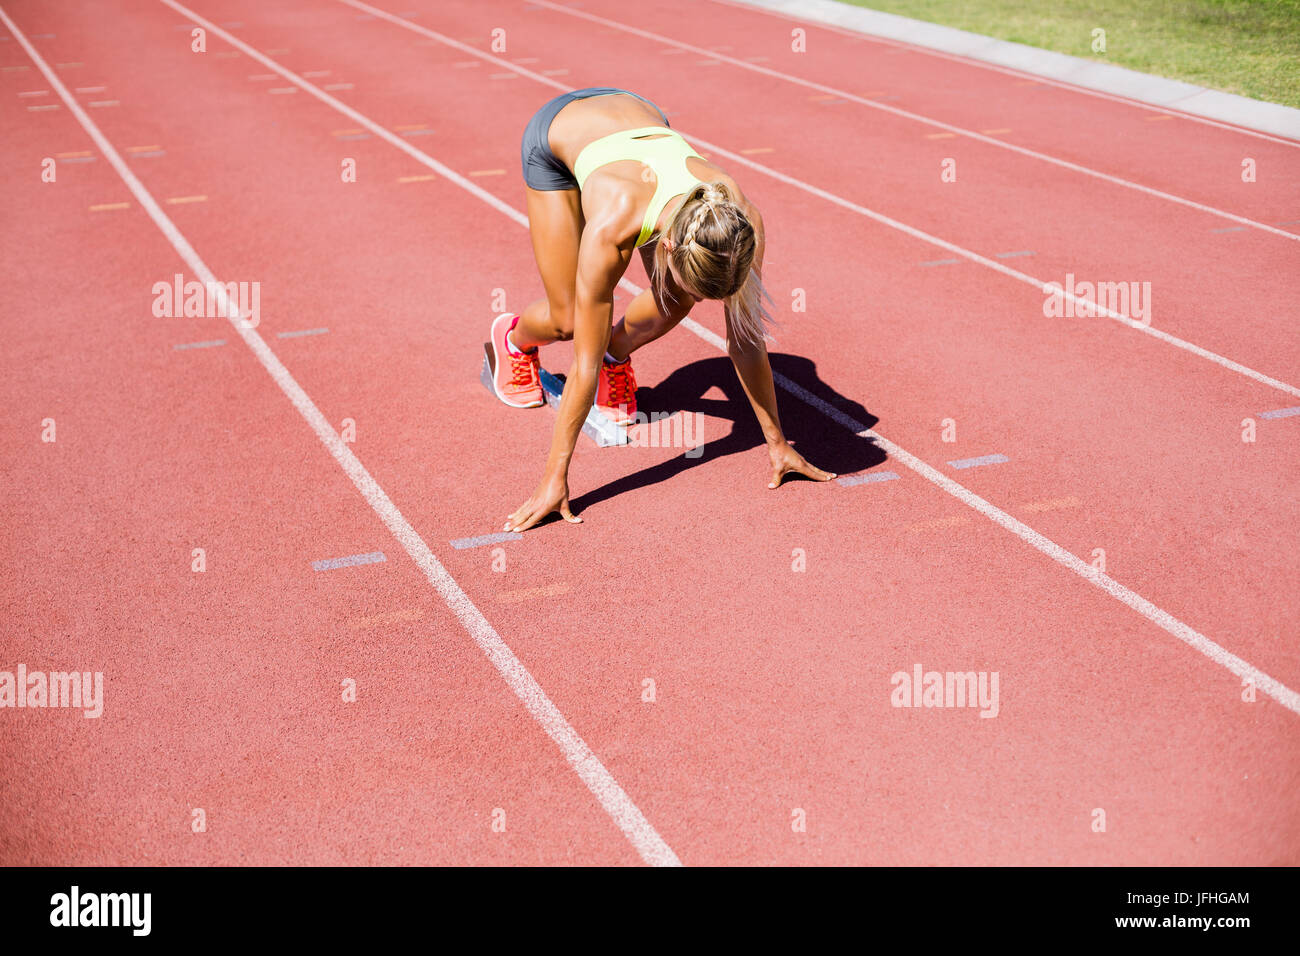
point(521, 690)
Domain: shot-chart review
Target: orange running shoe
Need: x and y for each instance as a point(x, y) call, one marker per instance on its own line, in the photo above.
point(616, 392)
point(514, 375)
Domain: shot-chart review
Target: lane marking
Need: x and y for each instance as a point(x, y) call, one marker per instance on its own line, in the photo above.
point(211, 343)
point(337, 86)
point(411, 126)
point(940, 135)
point(104, 206)
point(869, 478)
point(1284, 695)
point(103, 103)
point(916, 117)
point(34, 93)
point(423, 178)
point(317, 73)
point(1051, 504)
point(616, 803)
point(940, 262)
point(461, 544)
point(389, 617)
point(841, 202)
point(91, 89)
point(1157, 119)
point(502, 76)
point(977, 462)
point(532, 594)
point(183, 200)
point(294, 335)
point(1230, 229)
point(43, 109)
point(1014, 255)
point(283, 90)
point(70, 155)
point(758, 149)
point(143, 149)
point(149, 155)
point(1281, 413)
point(995, 132)
point(351, 561)
point(564, 72)
point(487, 172)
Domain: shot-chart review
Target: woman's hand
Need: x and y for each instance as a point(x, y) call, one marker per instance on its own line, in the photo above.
point(786, 460)
point(551, 495)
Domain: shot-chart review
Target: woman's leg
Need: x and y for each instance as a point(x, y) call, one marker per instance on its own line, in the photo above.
point(644, 321)
point(555, 223)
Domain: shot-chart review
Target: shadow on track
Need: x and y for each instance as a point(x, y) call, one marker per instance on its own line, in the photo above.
point(823, 442)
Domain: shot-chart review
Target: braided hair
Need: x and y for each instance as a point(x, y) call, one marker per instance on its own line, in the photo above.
point(713, 252)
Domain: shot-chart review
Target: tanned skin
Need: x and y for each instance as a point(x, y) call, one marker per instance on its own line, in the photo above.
point(583, 242)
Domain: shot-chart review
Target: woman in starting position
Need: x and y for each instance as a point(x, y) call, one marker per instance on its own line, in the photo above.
point(606, 176)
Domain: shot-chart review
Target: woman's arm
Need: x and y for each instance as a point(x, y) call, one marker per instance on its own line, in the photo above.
point(755, 374)
point(601, 263)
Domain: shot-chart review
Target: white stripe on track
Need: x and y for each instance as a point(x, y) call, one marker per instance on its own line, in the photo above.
point(1161, 618)
point(917, 117)
point(881, 218)
point(1008, 70)
point(587, 765)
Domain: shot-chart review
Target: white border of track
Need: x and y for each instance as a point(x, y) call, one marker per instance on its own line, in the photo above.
point(1240, 112)
point(1284, 695)
point(585, 763)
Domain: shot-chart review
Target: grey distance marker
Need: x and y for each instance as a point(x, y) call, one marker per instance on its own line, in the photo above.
point(201, 345)
point(1281, 413)
point(976, 462)
point(460, 544)
point(940, 262)
point(351, 560)
point(869, 478)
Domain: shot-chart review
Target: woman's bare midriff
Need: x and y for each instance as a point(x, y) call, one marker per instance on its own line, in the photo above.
point(585, 121)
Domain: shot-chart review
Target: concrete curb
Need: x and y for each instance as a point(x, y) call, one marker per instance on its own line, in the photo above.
point(1091, 75)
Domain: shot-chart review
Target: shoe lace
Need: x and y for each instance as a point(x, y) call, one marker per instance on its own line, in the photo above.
point(523, 369)
point(622, 384)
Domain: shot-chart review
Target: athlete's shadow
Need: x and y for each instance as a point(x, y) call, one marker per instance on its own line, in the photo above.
point(823, 441)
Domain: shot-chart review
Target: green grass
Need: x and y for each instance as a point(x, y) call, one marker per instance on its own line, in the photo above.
point(1250, 47)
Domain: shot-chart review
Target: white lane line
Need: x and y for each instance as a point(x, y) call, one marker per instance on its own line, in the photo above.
point(1009, 71)
point(586, 764)
point(917, 117)
point(996, 266)
point(1162, 619)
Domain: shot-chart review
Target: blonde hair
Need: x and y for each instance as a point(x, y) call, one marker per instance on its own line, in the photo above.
point(713, 253)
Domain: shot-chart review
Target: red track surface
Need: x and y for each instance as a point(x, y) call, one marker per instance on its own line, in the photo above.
point(773, 687)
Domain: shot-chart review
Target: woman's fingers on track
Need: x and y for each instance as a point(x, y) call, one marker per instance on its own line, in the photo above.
point(530, 514)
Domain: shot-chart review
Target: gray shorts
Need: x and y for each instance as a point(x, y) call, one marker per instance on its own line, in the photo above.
point(542, 168)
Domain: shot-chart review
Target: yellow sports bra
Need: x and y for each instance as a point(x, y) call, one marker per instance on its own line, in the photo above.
point(666, 155)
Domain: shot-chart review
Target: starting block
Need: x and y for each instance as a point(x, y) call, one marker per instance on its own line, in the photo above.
point(597, 427)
